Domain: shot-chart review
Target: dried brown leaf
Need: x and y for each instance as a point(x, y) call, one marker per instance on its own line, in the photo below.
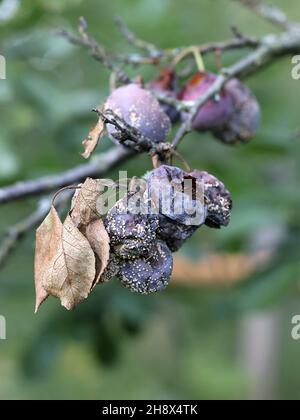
point(92, 140)
point(98, 238)
point(71, 272)
point(47, 238)
point(71, 257)
point(84, 206)
point(85, 216)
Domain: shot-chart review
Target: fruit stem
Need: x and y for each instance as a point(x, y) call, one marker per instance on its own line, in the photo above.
point(197, 56)
point(69, 187)
point(198, 59)
point(181, 159)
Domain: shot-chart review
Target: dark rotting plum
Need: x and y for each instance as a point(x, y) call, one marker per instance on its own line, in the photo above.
point(174, 234)
point(148, 274)
point(176, 194)
point(244, 121)
point(144, 233)
point(131, 234)
point(217, 199)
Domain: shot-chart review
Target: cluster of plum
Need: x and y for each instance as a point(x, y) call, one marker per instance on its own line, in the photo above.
point(232, 116)
point(142, 241)
point(144, 231)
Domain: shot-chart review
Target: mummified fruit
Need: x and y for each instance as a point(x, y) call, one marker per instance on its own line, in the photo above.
point(138, 108)
point(217, 199)
point(216, 111)
point(165, 84)
point(146, 226)
point(244, 121)
point(176, 195)
point(148, 274)
point(174, 234)
point(186, 201)
point(179, 199)
point(131, 231)
point(112, 268)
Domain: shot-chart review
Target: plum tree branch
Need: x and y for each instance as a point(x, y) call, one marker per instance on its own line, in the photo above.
point(98, 51)
point(166, 55)
point(132, 39)
point(156, 54)
point(97, 167)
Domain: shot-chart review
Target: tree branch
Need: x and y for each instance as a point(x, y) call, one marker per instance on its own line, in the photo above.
point(14, 234)
point(98, 167)
point(97, 50)
point(132, 39)
point(154, 54)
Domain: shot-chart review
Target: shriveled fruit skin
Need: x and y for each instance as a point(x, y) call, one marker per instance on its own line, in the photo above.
point(179, 199)
point(112, 268)
point(217, 198)
point(148, 274)
point(215, 112)
point(138, 108)
point(131, 234)
point(245, 120)
point(174, 234)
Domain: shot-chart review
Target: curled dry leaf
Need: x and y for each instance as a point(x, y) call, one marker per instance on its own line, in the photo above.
point(47, 238)
point(84, 203)
point(86, 218)
point(92, 140)
point(98, 238)
point(71, 257)
point(71, 272)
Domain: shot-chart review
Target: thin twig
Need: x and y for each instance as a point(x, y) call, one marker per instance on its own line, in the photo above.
point(231, 44)
point(270, 13)
point(14, 234)
point(97, 50)
point(132, 39)
point(130, 137)
point(127, 135)
point(154, 54)
point(176, 103)
point(169, 54)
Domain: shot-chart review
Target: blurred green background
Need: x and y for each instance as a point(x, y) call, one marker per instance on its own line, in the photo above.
point(189, 341)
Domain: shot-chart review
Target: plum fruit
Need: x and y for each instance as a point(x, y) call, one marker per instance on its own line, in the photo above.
point(140, 109)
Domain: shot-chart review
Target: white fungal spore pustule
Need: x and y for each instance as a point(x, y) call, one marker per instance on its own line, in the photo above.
point(150, 274)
